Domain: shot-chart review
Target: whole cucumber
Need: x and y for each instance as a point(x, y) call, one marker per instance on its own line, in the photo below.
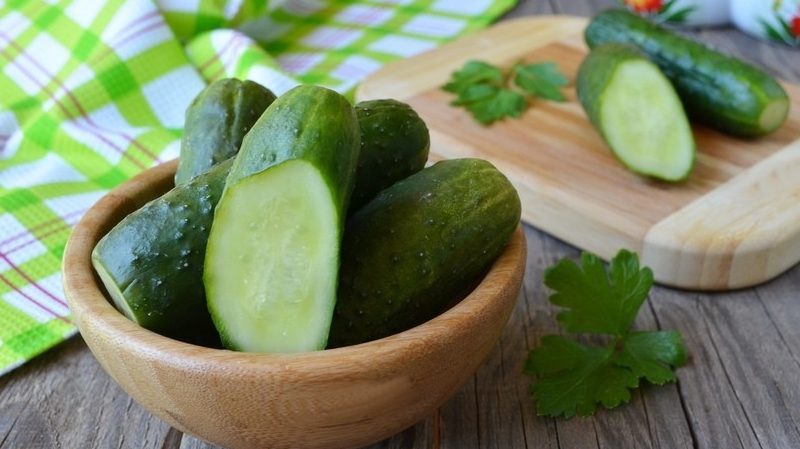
point(151, 262)
point(394, 145)
point(216, 122)
point(719, 90)
point(411, 251)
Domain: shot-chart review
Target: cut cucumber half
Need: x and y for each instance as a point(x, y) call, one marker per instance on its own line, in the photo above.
point(644, 122)
point(272, 258)
point(272, 261)
point(637, 111)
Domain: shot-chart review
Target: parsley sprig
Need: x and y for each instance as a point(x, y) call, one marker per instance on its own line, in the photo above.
point(572, 378)
point(492, 94)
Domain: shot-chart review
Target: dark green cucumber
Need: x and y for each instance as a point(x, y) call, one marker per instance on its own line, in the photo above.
point(394, 145)
point(636, 110)
point(719, 90)
point(216, 122)
point(151, 262)
point(273, 253)
point(411, 251)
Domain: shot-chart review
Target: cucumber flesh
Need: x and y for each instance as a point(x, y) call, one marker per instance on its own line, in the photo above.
point(644, 122)
point(277, 224)
point(774, 114)
point(116, 294)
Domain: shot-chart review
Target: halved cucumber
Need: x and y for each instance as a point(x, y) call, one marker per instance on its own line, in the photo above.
point(281, 243)
point(637, 111)
point(272, 258)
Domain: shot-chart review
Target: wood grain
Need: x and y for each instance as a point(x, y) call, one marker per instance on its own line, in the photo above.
point(727, 227)
point(735, 392)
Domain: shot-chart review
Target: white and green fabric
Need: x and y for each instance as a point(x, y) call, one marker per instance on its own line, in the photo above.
point(92, 92)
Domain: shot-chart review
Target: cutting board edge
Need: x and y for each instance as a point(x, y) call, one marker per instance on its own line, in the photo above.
point(740, 234)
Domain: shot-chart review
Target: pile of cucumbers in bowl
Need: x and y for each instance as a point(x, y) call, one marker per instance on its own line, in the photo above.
point(303, 222)
point(641, 80)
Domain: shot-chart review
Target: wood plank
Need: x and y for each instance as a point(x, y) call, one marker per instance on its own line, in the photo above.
point(66, 400)
point(499, 406)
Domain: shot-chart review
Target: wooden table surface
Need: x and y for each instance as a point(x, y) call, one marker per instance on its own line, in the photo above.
point(740, 389)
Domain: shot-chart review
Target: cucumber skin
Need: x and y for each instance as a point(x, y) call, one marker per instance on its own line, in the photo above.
point(594, 74)
point(719, 90)
point(156, 256)
point(293, 127)
point(394, 145)
point(411, 251)
point(216, 122)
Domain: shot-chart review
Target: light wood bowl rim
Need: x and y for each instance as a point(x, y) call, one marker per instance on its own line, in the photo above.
point(90, 306)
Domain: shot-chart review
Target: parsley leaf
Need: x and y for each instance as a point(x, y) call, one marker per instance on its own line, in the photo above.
point(489, 103)
point(474, 73)
point(541, 79)
point(651, 355)
point(599, 302)
point(572, 378)
point(490, 94)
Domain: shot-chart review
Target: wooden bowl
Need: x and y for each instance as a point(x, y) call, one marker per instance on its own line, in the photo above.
point(337, 398)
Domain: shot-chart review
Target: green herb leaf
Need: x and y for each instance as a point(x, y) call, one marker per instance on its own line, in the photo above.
point(491, 103)
point(489, 94)
point(652, 355)
point(472, 73)
point(599, 302)
point(572, 378)
point(542, 80)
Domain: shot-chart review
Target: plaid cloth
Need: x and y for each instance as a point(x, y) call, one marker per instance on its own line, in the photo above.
point(92, 92)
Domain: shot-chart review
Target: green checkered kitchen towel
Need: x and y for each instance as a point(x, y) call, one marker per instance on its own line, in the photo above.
point(92, 92)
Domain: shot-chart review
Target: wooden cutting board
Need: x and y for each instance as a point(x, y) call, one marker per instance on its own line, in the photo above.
point(734, 223)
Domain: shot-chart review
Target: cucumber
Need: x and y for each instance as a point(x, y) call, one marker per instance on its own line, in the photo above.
point(394, 145)
point(419, 245)
point(636, 110)
point(273, 252)
point(718, 90)
point(151, 262)
point(216, 122)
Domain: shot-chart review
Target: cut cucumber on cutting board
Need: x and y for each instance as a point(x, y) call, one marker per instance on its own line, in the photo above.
point(735, 222)
point(635, 108)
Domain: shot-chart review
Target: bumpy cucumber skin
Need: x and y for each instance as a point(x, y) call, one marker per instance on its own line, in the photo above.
point(718, 90)
point(155, 256)
point(411, 251)
point(216, 122)
point(295, 126)
point(594, 75)
point(394, 145)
